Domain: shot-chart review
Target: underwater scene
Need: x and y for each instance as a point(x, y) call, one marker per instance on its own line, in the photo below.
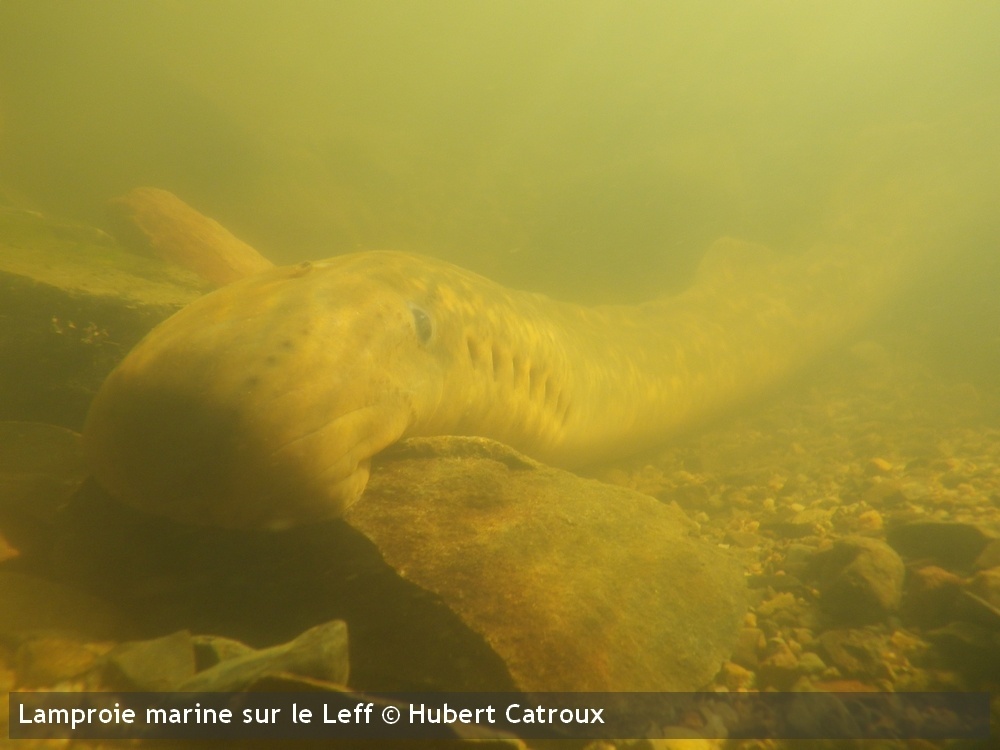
point(542, 374)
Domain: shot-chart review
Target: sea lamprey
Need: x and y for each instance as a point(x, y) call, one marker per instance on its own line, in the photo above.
point(261, 404)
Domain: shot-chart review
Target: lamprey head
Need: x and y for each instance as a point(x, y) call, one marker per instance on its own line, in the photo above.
point(260, 405)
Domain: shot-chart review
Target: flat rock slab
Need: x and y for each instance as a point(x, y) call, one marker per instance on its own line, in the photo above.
point(319, 653)
point(577, 585)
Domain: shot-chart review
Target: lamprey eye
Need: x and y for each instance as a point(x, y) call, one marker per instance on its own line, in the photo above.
point(422, 322)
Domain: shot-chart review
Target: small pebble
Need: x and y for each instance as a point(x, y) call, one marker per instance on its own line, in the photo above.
point(750, 642)
point(870, 520)
point(986, 585)
point(880, 466)
point(810, 663)
point(735, 677)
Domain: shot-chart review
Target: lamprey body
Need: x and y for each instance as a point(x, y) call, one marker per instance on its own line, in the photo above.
point(261, 404)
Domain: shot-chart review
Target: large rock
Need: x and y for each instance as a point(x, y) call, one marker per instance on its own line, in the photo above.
point(575, 584)
point(860, 580)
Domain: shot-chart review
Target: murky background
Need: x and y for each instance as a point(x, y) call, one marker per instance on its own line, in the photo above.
point(589, 150)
